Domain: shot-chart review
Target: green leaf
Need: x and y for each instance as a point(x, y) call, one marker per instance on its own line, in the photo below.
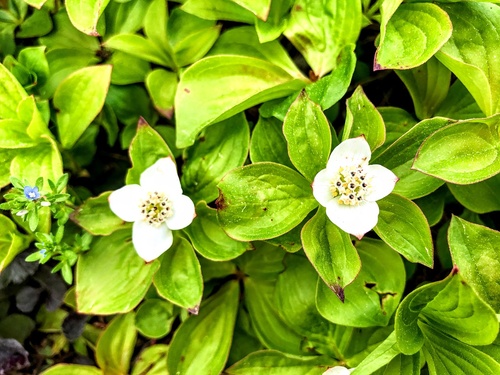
point(400, 155)
point(481, 197)
point(382, 355)
point(11, 94)
point(296, 304)
point(268, 142)
point(64, 369)
point(413, 34)
point(233, 84)
point(190, 36)
point(145, 149)
point(38, 4)
point(432, 206)
point(151, 361)
point(103, 285)
point(84, 14)
point(162, 85)
point(95, 216)
point(269, 327)
point(276, 21)
point(450, 305)
point(276, 363)
point(308, 135)
point(331, 252)
point(154, 318)
point(13, 135)
point(263, 200)
point(33, 58)
point(203, 341)
point(472, 51)
point(179, 278)
point(78, 100)
point(140, 47)
point(462, 153)
point(43, 160)
point(209, 239)
point(243, 41)
point(220, 148)
point(155, 25)
point(38, 24)
point(446, 356)
point(403, 226)
point(428, 85)
point(116, 345)
point(372, 298)
point(329, 89)
point(459, 104)
point(11, 242)
point(258, 7)
point(362, 118)
point(321, 45)
point(397, 122)
point(475, 250)
point(218, 10)
point(127, 69)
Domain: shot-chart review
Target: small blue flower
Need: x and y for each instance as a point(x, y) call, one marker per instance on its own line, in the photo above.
point(31, 193)
point(43, 252)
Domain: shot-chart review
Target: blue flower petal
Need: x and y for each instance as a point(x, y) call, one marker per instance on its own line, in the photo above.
point(31, 193)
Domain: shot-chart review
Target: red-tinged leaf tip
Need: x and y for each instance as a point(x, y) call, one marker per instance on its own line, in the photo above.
point(94, 33)
point(454, 270)
point(339, 291)
point(376, 65)
point(167, 112)
point(142, 122)
point(220, 202)
point(194, 310)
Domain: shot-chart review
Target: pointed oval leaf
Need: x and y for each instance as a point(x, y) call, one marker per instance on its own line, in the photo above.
point(103, 285)
point(11, 94)
point(362, 118)
point(162, 85)
point(269, 143)
point(414, 33)
point(446, 356)
point(154, 318)
point(308, 135)
point(95, 216)
point(472, 51)
point(233, 84)
point(179, 278)
point(221, 148)
point(278, 363)
point(269, 327)
point(203, 341)
point(475, 250)
point(404, 227)
point(428, 85)
point(79, 99)
point(400, 155)
point(116, 344)
point(321, 45)
point(84, 14)
point(209, 239)
point(373, 297)
point(145, 149)
point(262, 201)
point(462, 153)
point(63, 369)
point(331, 252)
point(481, 197)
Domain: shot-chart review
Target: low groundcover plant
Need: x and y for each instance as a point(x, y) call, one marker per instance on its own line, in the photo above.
point(239, 187)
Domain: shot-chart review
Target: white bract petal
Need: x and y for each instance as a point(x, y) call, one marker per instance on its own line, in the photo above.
point(183, 213)
point(124, 202)
point(321, 187)
point(151, 241)
point(162, 176)
point(356, 220)
point(382, 182)
point(349, 187)
point(156, 207)
point(353, 151)
point(338, 370)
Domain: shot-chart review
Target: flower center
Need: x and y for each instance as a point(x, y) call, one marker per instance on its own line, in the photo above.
point(156, 208)
point(350, 185)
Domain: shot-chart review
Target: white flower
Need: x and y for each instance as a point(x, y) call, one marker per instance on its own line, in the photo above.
point(349, 187)
point(338, 370)
point(156, 207)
